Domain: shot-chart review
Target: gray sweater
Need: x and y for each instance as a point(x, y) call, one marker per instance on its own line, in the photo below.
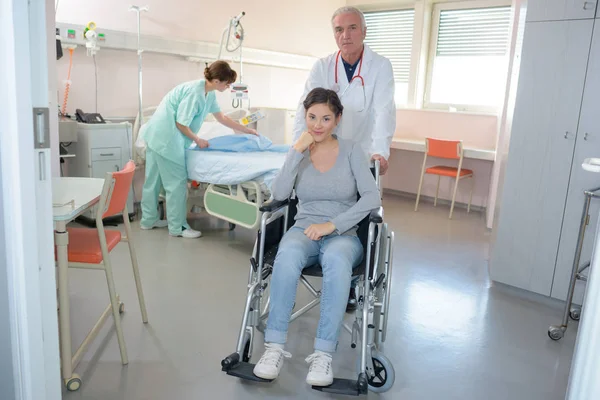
point(332, 195)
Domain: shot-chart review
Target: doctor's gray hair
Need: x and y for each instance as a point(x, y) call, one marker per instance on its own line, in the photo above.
point(351, 10)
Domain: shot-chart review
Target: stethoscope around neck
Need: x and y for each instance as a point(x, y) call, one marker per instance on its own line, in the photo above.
point(358, 76)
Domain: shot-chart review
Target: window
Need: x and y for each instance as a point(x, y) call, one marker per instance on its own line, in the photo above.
point(467, 65)
point(390, 34)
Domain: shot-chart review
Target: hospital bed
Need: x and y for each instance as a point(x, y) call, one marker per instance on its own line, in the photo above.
point(230, 186)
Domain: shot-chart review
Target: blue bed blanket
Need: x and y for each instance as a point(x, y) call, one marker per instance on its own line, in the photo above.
point(235, 159)
point(242, 143)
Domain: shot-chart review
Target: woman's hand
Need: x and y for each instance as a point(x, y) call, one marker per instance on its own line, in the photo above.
point(201, 142)
point(303, 142)
point(317, 231)
point(236, 126)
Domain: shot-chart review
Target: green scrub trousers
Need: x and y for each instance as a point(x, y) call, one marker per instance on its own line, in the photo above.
point(174, 180)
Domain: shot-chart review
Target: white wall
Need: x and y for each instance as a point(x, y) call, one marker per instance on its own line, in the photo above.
point(269, 25)
point(286, 26)
point(118, 85)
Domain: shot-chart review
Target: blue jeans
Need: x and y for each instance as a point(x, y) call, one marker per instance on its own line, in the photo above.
point(338, 255)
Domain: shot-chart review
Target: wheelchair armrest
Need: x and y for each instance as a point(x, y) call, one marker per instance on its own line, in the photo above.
point(376, 216)
point(273, 205)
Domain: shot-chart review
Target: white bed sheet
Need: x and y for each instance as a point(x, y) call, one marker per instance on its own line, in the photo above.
point(232, 168)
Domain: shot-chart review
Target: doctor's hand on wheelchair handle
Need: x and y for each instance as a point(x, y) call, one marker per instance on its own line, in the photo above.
point(303, 142)
point(317, 231)
point(383, 163)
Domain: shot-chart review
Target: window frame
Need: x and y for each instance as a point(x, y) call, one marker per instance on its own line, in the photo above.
point(412, 72)
point(431, 51)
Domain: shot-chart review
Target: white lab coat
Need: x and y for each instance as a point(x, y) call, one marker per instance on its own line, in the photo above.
point(373, 127)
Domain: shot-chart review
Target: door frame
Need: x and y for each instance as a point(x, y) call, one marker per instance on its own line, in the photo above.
point(24, 83)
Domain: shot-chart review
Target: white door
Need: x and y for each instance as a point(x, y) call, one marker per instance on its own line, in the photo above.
point(553, 10)
point(27, 198)
point(588, 145)
point(551, 80)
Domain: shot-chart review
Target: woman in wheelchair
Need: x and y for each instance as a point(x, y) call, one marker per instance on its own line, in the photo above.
point(327, 174)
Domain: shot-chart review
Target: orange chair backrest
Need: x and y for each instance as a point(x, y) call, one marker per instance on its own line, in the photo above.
point(444, 148)
point(117, 197)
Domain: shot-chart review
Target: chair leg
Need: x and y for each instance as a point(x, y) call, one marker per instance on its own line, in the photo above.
point(437, 191)
point(136, 270)
point(420, 183)
point(453, 197)
point(115, 309)
point(471, 194)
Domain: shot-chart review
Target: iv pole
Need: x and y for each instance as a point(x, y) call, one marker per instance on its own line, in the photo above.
point(238, 33)
point(138, 11)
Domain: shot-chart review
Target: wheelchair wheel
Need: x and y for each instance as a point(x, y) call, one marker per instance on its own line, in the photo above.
point(575, 313)
point(247, 354)
point(385, 375)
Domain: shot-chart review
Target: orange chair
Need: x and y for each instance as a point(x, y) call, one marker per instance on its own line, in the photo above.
point(448, 149)
point(90, 248)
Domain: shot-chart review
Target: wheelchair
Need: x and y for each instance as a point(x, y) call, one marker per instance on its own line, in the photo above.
point(375, 372)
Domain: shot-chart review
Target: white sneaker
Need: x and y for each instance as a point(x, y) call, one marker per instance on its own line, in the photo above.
point(269, 365)
point(319, 373)
point(161, 223)
point(188, 234)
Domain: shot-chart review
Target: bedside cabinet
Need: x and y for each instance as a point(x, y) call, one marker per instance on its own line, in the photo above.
point(101, 148)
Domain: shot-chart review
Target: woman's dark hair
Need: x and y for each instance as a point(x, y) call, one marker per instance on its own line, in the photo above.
point(220, 70)
point(324, 96)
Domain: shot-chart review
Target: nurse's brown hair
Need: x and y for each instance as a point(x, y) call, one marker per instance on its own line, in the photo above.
point(220, 70)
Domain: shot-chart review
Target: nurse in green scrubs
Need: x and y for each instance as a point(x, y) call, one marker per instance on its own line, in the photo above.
point(170, 131)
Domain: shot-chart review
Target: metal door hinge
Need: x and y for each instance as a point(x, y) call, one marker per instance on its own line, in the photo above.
point(41, 128)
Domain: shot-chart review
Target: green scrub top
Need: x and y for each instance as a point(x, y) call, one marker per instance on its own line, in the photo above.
point(186, 104)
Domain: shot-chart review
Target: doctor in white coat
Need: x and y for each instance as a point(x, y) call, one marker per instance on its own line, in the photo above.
point(364, 80)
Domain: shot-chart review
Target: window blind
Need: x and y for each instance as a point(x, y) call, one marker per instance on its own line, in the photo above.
point(390, 34)
point(473, 32)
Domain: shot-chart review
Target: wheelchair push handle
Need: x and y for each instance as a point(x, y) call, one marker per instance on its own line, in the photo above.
point(376, 166)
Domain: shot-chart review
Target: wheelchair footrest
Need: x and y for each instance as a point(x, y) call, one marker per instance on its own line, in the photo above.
point(341, 386)
point(245, 370)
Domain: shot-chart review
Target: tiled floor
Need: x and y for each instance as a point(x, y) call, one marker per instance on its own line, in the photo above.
point(452, 333)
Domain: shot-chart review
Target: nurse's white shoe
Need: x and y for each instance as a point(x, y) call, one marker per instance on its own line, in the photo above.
point(161, 223)
point(188, 233)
